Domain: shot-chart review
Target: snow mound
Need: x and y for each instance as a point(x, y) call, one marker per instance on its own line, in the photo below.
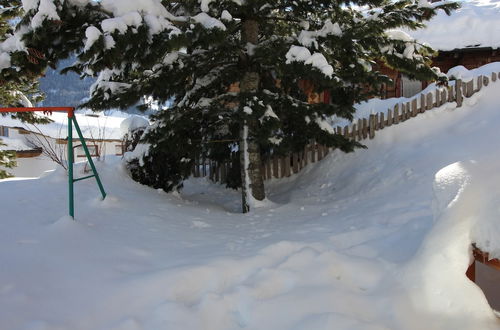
point(133, 123)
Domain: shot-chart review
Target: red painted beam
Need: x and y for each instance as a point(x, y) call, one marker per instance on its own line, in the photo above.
point(69, 110)
point(484, 258)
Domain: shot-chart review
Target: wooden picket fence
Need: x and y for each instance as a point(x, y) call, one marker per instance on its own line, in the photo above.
point(365, 128)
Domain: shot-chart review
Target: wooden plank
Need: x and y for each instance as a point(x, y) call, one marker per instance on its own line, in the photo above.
point(438, 98)
point(217, 172)
point(196, 167)
point(402, 117)
point(283, 161)
point(269, 172)
point(372, 126)
point(360, 130)
point(451, 95)
point(470, 88)
point(288, 169)
point(210, 170)
point(389, 117)
point(396, 114)
point(486, 81)
point(314, 157)
point(429, 101)
point(376, 121)
point(381, 124)
point(485, 258)
point(306, 155)
point(346, 132)
point(295, 162)
point(493, 76)
point(414, 109)
point(423, 106)
point(354, 131)
point(320, 152)
point(223, 173)
point(479, 84)
point(365, 128)
point(458, 93)
point(444, 96)
point(276, 167)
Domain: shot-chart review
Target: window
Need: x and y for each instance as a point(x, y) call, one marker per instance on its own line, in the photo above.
point(410, 87)
point(4, 131)
point(93, 150)
point(118, 149)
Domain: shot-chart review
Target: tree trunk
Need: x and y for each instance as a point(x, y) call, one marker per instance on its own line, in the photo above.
point(252, 185)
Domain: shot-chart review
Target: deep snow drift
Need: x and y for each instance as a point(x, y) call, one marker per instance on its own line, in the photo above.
point(376, 239)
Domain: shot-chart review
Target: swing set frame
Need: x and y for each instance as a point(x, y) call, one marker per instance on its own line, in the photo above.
point(72, 122)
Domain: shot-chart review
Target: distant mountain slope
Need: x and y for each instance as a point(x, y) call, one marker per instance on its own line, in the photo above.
point(64, 89)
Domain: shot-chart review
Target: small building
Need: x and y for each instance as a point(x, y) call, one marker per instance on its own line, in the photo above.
point(470, 37)
point(41, 147)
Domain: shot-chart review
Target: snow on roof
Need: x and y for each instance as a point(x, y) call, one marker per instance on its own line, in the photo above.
point(93, 125)
point(475, 24)
point(13, 144)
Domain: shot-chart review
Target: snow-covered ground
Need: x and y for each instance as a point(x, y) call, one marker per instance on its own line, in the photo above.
point(376, 239)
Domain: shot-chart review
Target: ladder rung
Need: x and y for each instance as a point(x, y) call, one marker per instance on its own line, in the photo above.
point(85, 177)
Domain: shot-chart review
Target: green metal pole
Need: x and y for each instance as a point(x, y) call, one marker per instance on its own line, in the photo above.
point(82, 140)
point(70, 166)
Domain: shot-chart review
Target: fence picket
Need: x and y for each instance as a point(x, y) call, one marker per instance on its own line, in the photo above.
point(396, 114)
point(493, 76)
point(320, 152)
point(458, 93)
point(479, 84)
point(382, 121)
point(295, 162)
point(283, 166)
point(422, 103)
point(372, 126)
point(414, 109)
point(451, 95)
point(276, 168)
point(486, 81)
point(389, 117)
point(470, 88)
point(429, 101)
point(444, 96)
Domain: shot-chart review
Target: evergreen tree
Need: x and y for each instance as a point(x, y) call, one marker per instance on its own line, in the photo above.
point(232, 68)
point(15, 90)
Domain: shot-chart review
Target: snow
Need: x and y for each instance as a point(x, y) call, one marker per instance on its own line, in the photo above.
point(209, 22)
point(376, 239)
point(475, 24)
point(317, 60)
point(92, 34)
point(13, 144)
point(133, 123)
point(46, 11)
point(308, 38)
point(4, 61)
point(226, 16)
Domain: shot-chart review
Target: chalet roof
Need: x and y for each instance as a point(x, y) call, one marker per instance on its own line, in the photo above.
point(475, 25)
